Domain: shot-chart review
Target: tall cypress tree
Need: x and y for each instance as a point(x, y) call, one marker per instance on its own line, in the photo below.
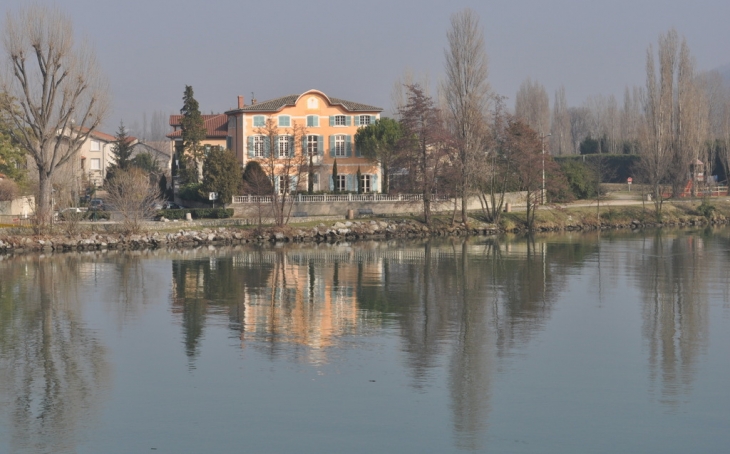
point(193, 132)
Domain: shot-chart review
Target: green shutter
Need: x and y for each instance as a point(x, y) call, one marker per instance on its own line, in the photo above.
point(357, 120)
point(267, 146)
point(316, 121)
point(332, 146)
point(250, 146)
point(351, 183)
point(374, 183)
point(348, 146)
point(292, 151)
point(332, 120)
point(372, 119)
point(320, 145)
point(304, 146)
point(258, 121)
point(348, 120)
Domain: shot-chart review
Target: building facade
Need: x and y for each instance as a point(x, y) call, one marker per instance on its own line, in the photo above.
point(311, 126)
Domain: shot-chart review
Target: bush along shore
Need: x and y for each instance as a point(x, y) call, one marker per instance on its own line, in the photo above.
point(555, 219)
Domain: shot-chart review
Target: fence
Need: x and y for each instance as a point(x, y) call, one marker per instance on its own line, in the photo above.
point(16, 220)
point(373, 197)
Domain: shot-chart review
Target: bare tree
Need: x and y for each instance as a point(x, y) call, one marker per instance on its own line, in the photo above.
point(135, 196)
point(657, 147)
point(425, 145)
point(579, 126)
point(58, 94)
point(630, 119)
point(532, 105)
point(467, 95)
point(560, 140)
point(494, 174)
point(284, 161)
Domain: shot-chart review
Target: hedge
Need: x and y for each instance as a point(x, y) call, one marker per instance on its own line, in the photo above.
point(197, 213)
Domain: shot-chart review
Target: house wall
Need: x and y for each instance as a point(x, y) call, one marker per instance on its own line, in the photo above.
point(22, 206)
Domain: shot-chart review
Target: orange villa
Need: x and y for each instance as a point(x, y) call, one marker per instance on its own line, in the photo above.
point(331, 125)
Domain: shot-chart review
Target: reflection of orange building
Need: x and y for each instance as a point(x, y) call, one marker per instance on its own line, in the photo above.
point(303, 305)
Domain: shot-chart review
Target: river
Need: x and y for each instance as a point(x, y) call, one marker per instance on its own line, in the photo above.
point(601, 343)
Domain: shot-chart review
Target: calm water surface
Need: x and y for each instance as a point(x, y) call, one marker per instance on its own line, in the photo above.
point(618, 343)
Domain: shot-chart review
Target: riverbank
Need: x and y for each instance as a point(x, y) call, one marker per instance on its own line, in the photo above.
point(580, 216)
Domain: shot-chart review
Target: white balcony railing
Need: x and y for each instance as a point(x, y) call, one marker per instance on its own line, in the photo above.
point(302, 198)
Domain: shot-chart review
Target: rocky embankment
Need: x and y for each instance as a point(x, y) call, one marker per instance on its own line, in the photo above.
point(339, 231)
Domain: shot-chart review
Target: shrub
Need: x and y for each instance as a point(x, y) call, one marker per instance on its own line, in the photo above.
point(705, 209)
point(8, 190)
point(191, 191)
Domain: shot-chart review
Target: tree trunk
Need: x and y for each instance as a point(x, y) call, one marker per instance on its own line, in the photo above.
point(44, 207)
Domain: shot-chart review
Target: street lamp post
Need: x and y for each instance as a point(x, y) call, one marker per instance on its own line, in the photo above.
point(542, 143)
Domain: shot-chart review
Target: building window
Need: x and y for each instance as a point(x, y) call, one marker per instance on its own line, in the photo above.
point(259, 121)
point(340, 120)
point(95, 164)
point(315, 178)
point(95, 145)
point(258, 146)
point(340, 146)
point(312, 121)
point(365, 183)
point(341, 182)
point(284, 121)
point(284, 146)
point(364, 120)
point(285, 184)
point(312, 145)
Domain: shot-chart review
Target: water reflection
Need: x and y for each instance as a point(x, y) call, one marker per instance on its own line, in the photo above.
point(672, 274)
point(466, 303)
point(461, 312)
point(52, 368)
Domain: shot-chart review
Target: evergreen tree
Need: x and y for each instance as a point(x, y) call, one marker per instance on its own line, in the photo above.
point(379, 141)
point(359, 180)
point(193, 132)
point(334, 177)
point(121, 151)
point(255, 180)
point(221, 174)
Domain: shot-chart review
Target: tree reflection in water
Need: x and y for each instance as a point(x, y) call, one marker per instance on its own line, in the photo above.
point(672, 276)
point(52, 368)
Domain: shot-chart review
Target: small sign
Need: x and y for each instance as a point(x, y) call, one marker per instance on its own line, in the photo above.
point(630, 180)
point(212, 196)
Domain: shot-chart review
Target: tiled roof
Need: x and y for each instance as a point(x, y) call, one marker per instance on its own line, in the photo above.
point(216, 126)
point(274, 105)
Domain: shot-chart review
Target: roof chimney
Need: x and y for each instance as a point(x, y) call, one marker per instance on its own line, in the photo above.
point(241, 103)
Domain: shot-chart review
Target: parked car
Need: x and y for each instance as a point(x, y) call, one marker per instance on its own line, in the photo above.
point(172, 206)
point(70, 213)
point(96, 205)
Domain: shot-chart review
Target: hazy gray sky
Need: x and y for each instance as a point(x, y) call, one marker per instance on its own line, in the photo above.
point(151, 49)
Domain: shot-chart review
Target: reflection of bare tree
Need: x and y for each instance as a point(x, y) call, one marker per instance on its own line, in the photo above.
point(470, 374)
point(52, 369)
point(671, 274)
